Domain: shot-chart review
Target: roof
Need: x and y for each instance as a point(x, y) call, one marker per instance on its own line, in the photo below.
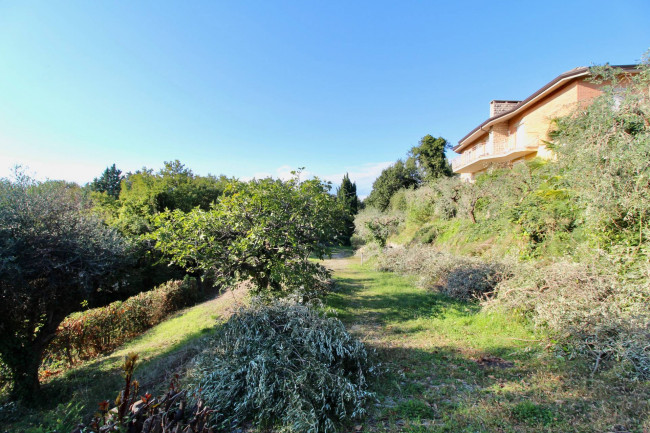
point(549, 87)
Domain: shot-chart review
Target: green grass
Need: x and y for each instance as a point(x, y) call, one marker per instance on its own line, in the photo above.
point(450, 367)
point(447, 366)
point(163, 351)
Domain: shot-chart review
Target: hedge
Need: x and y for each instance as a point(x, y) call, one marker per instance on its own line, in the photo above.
point(86, 334)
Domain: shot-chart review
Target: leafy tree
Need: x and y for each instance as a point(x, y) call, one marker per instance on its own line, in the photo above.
point(392, 179)
point(175, 186)
point(347, 195)
point(109, 182)
point(54, 254)
point(264, 231)
point(603, 152)
point(430, 156)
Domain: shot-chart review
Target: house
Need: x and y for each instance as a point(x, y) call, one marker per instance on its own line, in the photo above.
point(516, 130)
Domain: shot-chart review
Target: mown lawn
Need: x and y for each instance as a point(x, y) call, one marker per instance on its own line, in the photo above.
point(449, 367)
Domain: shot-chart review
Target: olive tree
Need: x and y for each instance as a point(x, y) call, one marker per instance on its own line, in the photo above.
point(603, 150)
point(54, 254)
point(263, 231)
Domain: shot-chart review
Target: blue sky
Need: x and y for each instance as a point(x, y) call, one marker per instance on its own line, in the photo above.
point(260, 88)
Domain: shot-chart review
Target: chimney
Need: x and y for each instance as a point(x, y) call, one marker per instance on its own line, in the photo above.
point(500, 107)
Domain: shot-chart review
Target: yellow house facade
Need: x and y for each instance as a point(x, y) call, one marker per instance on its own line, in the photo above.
point(516, 130)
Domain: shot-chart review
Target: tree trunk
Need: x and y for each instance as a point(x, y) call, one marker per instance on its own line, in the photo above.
point(24, 367)
point(472, 207)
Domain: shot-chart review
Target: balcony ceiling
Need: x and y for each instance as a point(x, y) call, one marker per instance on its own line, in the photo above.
point(484, 161)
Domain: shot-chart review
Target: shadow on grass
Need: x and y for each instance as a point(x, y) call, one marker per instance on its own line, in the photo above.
point(504, 384)
point(390, 307)
point(102, 379)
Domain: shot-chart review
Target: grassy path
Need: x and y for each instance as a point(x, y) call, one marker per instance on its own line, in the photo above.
point(453, 368)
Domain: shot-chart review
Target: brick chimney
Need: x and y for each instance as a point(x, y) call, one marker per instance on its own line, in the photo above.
point(500, 107)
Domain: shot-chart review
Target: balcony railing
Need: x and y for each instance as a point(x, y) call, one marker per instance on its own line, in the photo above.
point(485, 152)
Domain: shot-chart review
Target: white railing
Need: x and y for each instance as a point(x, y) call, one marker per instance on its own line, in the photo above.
point(481, 151)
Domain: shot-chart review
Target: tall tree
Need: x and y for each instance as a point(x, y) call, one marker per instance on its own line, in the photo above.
point(347, 195)
point(392, 179)
point(109, 182)
point(431, 159)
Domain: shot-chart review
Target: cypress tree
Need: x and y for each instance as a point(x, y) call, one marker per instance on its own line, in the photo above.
point(347, 194)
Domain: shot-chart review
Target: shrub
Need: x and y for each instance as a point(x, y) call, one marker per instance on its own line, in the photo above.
point(604, 152)
point(371, 225)
point(87, 334)
point(135, 413)
point(458, 277)
point(286, 364)
point(601, 316)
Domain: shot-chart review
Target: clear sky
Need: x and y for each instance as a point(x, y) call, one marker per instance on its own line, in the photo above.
point(250, 88)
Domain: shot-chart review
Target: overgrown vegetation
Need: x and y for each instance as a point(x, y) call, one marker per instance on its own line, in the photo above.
point(577, 225)
point(454, 366)
point(85, 335)
point(283, 365)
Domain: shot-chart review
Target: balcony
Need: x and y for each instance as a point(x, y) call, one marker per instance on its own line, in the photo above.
point(481, 156)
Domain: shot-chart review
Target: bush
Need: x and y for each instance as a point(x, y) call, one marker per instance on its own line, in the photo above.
point(284, 364)
point(462, 278)
point(133, 412)
point(371, 225)
point(87, 334)
point(601, 316)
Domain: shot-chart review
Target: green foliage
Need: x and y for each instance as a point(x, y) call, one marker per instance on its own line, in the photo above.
point(85, 335)
point(263, 230)
point(109, 182)
point(53, 254)
point(603, 152)
point(426, 234)
point(547, 208)
point(392, 179)
point(430, 155)
point(347, 195)
point(64, 418)
point(283, 365)
point(375, 226)
point(145, 194)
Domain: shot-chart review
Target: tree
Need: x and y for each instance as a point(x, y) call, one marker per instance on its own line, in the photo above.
point(603, 152)
point(392, 179)
point(109, 182)
point(264, 232)
point(175, 186)
point(54, 254)
point(430, 156)
point(347, 195)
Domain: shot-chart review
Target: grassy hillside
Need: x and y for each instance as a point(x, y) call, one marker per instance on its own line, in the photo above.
point(447, 366)
point(450, 367)
point(164, 351)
